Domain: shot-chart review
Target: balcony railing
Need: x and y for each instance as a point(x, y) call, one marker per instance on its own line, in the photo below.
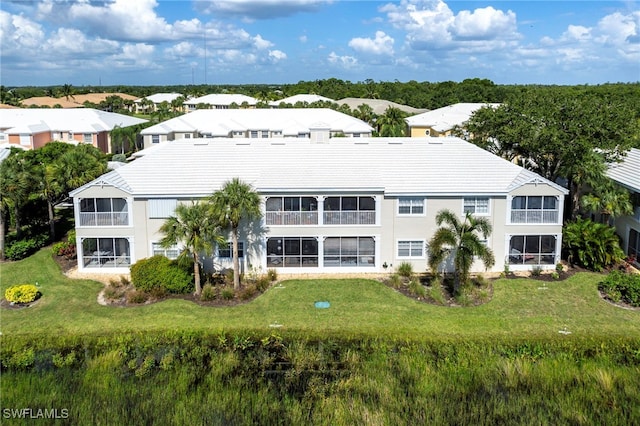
point(291, 218)
point(534, 216)
point(104, 219)
point(350, 218)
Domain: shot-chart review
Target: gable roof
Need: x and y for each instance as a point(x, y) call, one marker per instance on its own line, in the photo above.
point(291, 121)
point(158, 98)
point(303, 98)
point(627, 173)
point(446, 118)
point(394, 166)
point(75, 120)
point(379, 106)
point(222, 99)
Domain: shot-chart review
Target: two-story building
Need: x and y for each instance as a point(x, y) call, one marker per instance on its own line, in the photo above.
point(33, 128)
point(442, 121)
point(627, 174)
point(355, 205)
point(317, 124)
point(220, 101)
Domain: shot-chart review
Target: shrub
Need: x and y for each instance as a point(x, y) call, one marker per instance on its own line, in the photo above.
point(22, 293)
point(24, 248)
point(119, 157)
point(263, 283)
point(272, 274)
point(227, 293)
point(559, 268)
point(395, 280)
point(619, 286)
point(536, 271)
point(416, 288)
point(405, 269)
point(159, 272)
point(248, 292)
point(594, 246)
point(137, 296)
point(208, 293)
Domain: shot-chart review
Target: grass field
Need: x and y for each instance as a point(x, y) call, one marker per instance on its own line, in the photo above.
point(519, 308)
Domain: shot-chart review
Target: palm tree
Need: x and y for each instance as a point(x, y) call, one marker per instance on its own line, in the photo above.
point(16, 186)
point(391, 123)
point(365, 113)
point(460, 239)
point(236, 201)
point(67, 91)
point(193, 228)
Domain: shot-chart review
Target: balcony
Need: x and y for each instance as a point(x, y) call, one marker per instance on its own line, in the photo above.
point(350, 218)
point(291, 218)
point(534, 216)
point(104, 219)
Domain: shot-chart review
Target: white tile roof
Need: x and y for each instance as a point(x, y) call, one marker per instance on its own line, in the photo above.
point(291, 121)
point(379, 106)
point(75, 120)
point(222, 99)
point(158, 98)
point(301, 98)
point(395, 166)
point(627, 173)
point(446, 118)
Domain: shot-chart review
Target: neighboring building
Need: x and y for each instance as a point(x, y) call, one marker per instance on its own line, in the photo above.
point(354, 205)
point(33, 128)
point(300, 99)
point(75, 101)
point(315, 123)
point(379, 106)
point(440, 122)
point(627, 174)
point(220, 101)
point(155, 100)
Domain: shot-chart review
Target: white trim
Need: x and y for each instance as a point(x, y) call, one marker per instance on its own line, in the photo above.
point(530, 266)
point(476, 197)
point(411, 206)
point(422, 242)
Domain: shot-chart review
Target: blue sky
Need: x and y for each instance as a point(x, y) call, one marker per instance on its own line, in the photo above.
point(157, 42)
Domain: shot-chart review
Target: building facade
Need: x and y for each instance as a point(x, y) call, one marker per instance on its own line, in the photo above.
point(351, 206)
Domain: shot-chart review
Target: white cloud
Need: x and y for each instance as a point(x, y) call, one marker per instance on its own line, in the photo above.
point(19, 33)
point(277, 55)
point(577, 33)
point(261, 43)
point(381, 45)
point(344, 61)
point(484, 24)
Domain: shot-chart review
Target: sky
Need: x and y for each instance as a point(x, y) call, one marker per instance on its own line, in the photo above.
point(158, 42)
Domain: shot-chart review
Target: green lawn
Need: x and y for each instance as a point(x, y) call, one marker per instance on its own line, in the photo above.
point(519, 308)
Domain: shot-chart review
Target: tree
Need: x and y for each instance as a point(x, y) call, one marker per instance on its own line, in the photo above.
point(365, 113)
point(461, 240)
point(609, 200)
point(67, 91)
point(392, 123)
point(193, 228)
point(123, 137)
point(234, 202)
point(16, 188)
point(560, 133)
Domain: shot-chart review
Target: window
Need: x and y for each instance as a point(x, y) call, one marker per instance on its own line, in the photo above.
point(532, 250)
point(172, 252)
point(476, 205)
point(104, 212)
point(296, 252)
point(162, 208)
point(253, 134)
point(411, 248)
point(226, 251)
point(349, 251)
point(350, 211)
point(291, 211)
point(155, 138)
point(105, 253)
point(264, 134)
point(87, 138)
point(70, 136)
point(187, 135)
point(534, 209)
point(427, 132)
point(411, 206)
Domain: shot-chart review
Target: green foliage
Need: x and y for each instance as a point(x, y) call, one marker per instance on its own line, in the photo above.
point(272, 274)
point(227, 293)
point(619, 286)
point(416, 288)
point(396, 281)
point(119, 157)
point(248, 292)
point(158, 272)
point(405, 269)
point(594, 246)
point(536, 271)
point(22, 293)
point(208, 293)
point(21, 249)
point(263, 283)
point(137, 296)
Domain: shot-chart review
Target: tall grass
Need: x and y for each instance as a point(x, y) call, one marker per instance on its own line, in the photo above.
point(272, 379)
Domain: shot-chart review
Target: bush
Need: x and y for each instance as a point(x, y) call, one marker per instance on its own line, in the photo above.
point(594, 246)
point(228, 293)
point(396, 282)
point(416, 288)
point(137, 296)
point(263, 283)
point(619, 286)
point(208, 293)
point(22, 293)
point(158, 272)
point(119, 157)
point(272, 274)
point(405, 269)
point(248, 292)
point(22, 249)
